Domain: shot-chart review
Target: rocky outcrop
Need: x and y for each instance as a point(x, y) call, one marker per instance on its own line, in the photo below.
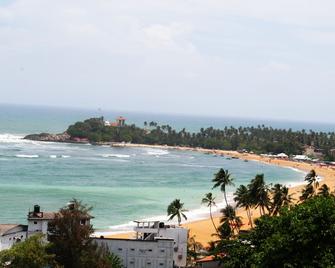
point(63, 137)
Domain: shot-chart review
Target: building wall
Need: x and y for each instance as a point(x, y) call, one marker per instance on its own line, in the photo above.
point(37, 226)
point(139, 253)
point(7, 241)
point(179, 235)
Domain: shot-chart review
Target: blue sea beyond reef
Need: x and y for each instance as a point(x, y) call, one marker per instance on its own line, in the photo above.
point(122, 184)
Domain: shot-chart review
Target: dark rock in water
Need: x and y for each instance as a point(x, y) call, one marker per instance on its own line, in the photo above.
point(63, 137)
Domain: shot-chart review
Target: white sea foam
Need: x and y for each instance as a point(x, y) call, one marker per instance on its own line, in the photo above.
point(27, 155)
point(151, 151)
point(116, 155)
point(65, 156)
point(10, 138)
point(53, 156)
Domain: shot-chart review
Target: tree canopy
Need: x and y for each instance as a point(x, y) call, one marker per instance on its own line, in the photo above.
point(303, 236)
point(260, 139)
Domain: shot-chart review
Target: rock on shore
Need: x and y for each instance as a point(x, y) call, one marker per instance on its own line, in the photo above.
point(63, 137)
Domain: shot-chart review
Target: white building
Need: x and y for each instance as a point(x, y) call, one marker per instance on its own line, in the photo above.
point(140, 253)
point(156, 245)
point(38, 221)
point(11, 234)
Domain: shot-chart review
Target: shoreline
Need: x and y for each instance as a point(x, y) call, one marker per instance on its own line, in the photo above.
point(203, 229)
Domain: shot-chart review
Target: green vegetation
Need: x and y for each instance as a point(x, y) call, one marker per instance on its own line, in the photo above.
point(176, 209)
point(32, 253)
point(223, 179)
point(209, 200)
point(303, 236)
point(259, 139)
point(70, 237)
point(286, 235)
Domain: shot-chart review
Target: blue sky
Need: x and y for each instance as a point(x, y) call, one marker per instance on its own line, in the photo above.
point(261, 58)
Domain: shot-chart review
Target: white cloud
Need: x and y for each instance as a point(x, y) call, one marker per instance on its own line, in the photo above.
point(152, 50)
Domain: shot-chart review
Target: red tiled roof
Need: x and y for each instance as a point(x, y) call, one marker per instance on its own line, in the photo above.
point(42, 215)
point(120, 118)
point(209, 258)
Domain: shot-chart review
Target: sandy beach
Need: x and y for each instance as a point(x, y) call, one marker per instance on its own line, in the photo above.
point(202, 230)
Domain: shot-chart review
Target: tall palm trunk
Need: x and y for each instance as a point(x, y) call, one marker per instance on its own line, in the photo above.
point(249, 216)
point(225, 197)
point(210, 214)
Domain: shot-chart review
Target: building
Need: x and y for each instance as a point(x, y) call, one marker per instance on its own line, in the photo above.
point(313, 152)
point(120, 121)
point(11, 234)
point(38, 221)
point(155, 245)
point(140, 253)
point(208, 262)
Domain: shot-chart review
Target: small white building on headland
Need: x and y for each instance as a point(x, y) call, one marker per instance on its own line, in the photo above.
point(155, 245)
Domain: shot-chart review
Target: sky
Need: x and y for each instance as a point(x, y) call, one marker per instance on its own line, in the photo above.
point(259, 59)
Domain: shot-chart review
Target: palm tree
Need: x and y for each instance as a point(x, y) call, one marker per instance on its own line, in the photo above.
point(229, 217)
point(223, 179)
point(194, 249)
point(281, 198)
point(324, 190)
point(307, 192)
point(312, 179)
point(176, 209)
point(243, 200)
point(209, 200)
point(259, 193)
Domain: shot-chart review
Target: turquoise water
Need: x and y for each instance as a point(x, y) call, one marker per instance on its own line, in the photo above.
point(122, 184)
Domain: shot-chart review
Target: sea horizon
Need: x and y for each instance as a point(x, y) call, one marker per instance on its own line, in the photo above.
point(53, 119)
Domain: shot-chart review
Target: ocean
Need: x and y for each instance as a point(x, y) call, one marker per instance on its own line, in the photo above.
point(121, 184)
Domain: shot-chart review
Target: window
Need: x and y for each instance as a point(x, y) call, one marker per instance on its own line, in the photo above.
point(150, 250)
point(120, 249)
point(82, 222)
point(35, 222)
point(132, 249)
point(161, 264)
point(162, 250)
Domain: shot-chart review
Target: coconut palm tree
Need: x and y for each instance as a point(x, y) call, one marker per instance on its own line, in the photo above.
point(243, 200)
point(223, 179)
point(312, 179)
point(280, 198)
point(209, 200)
point(259, 193)
point(307, 192)
point(194, 249)
point(176, 209)
point(229, 217)
point(324, 190)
